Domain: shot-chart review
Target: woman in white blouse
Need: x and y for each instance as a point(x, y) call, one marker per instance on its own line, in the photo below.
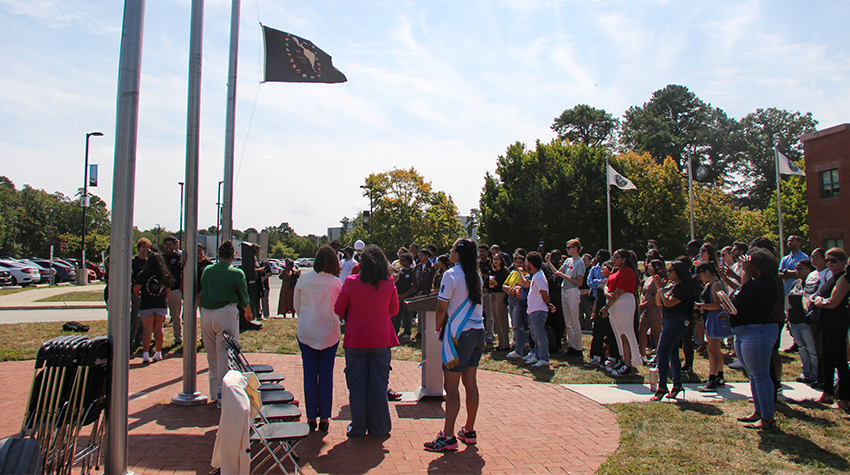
point(318, 334)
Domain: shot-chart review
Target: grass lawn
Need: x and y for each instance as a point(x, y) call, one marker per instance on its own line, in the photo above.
point(83, 296)
point(668, 438)
point(13, 291)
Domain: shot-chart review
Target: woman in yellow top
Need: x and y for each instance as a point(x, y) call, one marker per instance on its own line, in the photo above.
point(516, 286)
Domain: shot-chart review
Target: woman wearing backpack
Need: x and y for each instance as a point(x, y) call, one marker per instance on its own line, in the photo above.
point(152, 287)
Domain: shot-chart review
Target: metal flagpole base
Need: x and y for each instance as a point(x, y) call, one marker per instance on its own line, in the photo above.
point(187, 399)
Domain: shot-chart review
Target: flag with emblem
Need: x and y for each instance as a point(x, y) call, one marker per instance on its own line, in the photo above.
point(290, 58)
point(621, 182)
point(786, 166)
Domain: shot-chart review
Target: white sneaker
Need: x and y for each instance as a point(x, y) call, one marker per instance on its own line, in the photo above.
point(146, 358)
point(541, 364)
point(533, 360)
point(611, 362)
point(157, 356)
point(737, 364)
point(513, 355)
point(529, 356)
point(615, 368)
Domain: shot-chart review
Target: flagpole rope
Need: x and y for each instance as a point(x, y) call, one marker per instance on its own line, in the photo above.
point(256, 96)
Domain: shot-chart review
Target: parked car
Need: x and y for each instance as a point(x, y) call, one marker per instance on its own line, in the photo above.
point(64, 272)
point(44, 272)
point(305, 262)
point(5, 277)
point(75, 263)
point(98, 270)
point(21, 275)
point(275, 267)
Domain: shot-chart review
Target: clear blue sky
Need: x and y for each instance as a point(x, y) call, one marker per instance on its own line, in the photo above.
point(443, 86)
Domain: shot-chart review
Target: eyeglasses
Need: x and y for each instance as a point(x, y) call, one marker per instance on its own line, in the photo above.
point(831, 260)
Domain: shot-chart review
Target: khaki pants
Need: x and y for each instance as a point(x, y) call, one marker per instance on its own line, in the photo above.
point(213, 324)
point(175, 309)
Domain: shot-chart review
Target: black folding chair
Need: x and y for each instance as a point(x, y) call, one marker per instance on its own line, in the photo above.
point(271, 393)
point(265, 373)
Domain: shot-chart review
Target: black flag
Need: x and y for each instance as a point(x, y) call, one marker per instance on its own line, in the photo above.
point(290, 58)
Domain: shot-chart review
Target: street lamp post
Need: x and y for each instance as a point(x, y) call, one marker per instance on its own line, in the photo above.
point(181, 212)
point(365, 187)
point(83, 280)
point(218, 217)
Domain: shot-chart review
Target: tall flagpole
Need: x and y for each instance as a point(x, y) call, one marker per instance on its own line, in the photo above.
point(779, 202)
point(230, 124)
point(691, 194)
point(190, 395)
point(608, 193)
point(121, 235)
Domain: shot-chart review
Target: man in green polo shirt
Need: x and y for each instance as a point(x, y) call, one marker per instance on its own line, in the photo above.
point(223, 288)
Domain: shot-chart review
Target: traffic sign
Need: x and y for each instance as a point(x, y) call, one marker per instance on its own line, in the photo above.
point(63, 245)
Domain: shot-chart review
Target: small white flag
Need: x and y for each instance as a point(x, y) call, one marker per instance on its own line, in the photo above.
point(786, 167)
point(618, 180)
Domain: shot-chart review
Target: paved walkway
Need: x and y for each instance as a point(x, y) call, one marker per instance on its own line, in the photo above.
point(523, 426)
point(623, 393)
point(27, 299)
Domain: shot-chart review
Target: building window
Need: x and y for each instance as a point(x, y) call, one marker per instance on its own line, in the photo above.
point(829, 183)
point(830, 243)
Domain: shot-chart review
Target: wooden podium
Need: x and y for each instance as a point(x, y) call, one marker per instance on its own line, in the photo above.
point(432, 347)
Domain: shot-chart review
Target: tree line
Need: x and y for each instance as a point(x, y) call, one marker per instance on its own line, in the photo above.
point(556, 190)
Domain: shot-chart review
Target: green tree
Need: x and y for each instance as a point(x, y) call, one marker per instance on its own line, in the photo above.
point(405, 209)
point(585, 124)
point(762, 130)
point(676, 123)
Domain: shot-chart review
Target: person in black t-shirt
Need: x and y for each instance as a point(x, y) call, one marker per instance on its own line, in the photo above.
point(143, 246)
point(677, 300)
point(174, 262)
point(404, 286)
point(152, 286)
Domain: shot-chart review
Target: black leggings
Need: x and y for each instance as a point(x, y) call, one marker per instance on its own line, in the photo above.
point(603, 334)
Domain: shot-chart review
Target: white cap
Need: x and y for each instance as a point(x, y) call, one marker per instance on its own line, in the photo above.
point(359, 245)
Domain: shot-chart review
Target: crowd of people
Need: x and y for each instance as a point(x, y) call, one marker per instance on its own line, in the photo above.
point(531, 305)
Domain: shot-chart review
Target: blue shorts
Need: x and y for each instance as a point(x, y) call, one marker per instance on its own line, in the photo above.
point(469, 347)
point(153, 312)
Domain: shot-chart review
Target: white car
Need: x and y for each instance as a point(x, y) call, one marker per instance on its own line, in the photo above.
point(21, 275)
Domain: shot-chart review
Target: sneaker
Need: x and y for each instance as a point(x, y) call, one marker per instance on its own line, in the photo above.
point(442, 443)
point(533, 360)
point(467, 437)
point(709, 387)
point(146, 358)
point(737, 364)
point(541, 364)
point(616, 367)
point(623, 370)
point(611, 362)
point(594, 362)
point(687, 370)
point(513, 355)
point(529, 356)
point(157, 356)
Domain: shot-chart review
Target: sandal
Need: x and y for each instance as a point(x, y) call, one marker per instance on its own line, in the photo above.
point(754, 417)
point(763, 425)
point(659, 395)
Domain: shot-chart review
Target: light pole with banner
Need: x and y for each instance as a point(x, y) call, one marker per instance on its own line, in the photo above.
point(82, 276)
point(181, 213)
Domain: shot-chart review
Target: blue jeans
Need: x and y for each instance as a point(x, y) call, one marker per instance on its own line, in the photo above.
point(519, 322)
point(367, 373)
point(754, 347)
point(537, 320)
point(673, 328)
point(318, 380)
point(805, 340)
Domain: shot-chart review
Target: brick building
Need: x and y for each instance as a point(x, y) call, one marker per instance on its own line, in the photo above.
point(827, 155)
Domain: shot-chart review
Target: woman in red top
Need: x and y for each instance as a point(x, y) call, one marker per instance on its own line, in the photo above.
point(366, 302)
point(620, 293)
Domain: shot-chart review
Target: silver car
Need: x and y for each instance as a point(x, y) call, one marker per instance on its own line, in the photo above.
point(21, 275)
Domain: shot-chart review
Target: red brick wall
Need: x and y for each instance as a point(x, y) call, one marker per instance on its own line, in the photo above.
point(829, 218)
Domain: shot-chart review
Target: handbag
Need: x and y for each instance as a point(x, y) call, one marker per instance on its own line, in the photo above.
point(812, 314)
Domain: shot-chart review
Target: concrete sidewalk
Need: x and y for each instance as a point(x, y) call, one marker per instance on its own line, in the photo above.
point(625, 393)
point(28, 299)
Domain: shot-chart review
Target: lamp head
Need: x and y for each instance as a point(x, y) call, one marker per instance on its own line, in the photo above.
point(96, 134)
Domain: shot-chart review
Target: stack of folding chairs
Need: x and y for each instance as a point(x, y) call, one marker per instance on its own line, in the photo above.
point(275, 431)
point(68, 393)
